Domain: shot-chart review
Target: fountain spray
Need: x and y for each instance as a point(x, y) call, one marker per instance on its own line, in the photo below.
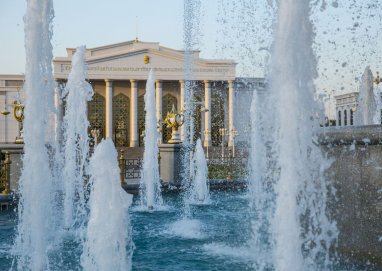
point(108, 244)
point(291, 183)
point(35, 212)
point(150, 187)
point(76, 150)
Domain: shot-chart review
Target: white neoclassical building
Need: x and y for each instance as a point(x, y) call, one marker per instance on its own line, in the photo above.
point(346, 105)
point(118, 74)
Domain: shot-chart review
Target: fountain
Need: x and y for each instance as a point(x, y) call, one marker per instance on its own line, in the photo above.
point(108, 244)
point(76, 149)
point(287, 216)
point(35, 206)
point(290, 192)
point(150, 187)
point(199, 186)
point(367, 112)
point(38, 246)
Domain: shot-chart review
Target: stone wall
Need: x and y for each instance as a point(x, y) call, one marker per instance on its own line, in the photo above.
point(357, 176)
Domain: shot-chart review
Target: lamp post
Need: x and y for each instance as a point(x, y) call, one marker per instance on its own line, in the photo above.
point(95, 134)
point(207, 133)
point(18, 114)
point(223, 133)
point(234, 133)
point(377, 79)
point(189, 110)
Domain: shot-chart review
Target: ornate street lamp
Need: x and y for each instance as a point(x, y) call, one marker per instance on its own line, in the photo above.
point(223, 133)
point(18, 114)
point(95, 134)
point(234, 133)
point(377, 80)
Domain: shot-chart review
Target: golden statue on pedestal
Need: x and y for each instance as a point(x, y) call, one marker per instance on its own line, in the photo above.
point(174, 120)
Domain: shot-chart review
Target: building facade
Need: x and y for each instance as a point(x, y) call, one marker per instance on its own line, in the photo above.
point(346, 106)
point(118, 75)
point(11, 90)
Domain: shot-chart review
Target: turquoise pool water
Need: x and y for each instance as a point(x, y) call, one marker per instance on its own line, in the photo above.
point(212, 237)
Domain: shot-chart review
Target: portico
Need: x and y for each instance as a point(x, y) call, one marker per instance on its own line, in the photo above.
point(118, 74)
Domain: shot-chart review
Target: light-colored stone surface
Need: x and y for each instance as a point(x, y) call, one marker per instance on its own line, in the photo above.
point(125, 61)
point(356, 173)
point(170, 163)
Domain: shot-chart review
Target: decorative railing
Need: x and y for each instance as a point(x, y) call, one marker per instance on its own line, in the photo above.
point(228, 161)
point(133, 168)
point(130, 168)
point(5, 178)
point(2, 175)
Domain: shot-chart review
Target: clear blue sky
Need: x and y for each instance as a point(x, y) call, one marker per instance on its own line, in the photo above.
point(348, 37)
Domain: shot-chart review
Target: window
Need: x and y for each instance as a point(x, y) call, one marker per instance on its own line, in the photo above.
point(351, 117)
point(121, 114)
point(339, 118)
point(345, 117)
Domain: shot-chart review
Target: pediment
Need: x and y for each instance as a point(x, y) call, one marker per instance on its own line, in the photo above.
point(126, 61)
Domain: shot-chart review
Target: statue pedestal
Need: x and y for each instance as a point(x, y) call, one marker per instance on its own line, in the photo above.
point(171, 163)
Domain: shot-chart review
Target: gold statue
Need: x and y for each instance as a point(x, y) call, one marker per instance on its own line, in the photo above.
point(174, 120)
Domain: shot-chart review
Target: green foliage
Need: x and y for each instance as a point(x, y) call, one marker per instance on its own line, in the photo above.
point(226, 171)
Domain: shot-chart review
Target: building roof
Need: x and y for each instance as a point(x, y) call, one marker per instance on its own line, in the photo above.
point(125, 61)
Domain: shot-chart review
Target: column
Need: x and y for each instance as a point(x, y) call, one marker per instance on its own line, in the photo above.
point(58, 118)
point(109, 109)
point(207, 114)
point(134, 142)
point(231, 97)
point(158, 100)
point(182, 107)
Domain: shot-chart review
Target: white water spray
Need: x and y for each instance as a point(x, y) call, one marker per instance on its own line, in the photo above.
point(35, 206)
point(366, 113)
point(150, 187)
point(76, 150)
point(291, 184)
point(191, 20)
point(200, 188)
point(108, 244)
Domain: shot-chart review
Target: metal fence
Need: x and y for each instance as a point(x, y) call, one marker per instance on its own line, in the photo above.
point(5, 174)
point(2, 175)
point(242, 161)
point(133, 168)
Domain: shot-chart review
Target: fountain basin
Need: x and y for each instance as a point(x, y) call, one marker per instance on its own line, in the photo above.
point(216, 237)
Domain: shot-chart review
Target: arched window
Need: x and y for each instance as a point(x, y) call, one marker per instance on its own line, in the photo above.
point(351, 117)
point(96, 114)
point(121, 114)
point(339, 118)
point(345, 117)
point(217, 118)
point(141, 119)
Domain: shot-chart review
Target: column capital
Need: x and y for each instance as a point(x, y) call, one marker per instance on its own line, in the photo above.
point(158, 82)
point(207, 82)
point(108, 81)
point(133, 83)
point(230, 83)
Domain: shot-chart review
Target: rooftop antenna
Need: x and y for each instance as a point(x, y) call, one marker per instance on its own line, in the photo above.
point(136, 28)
